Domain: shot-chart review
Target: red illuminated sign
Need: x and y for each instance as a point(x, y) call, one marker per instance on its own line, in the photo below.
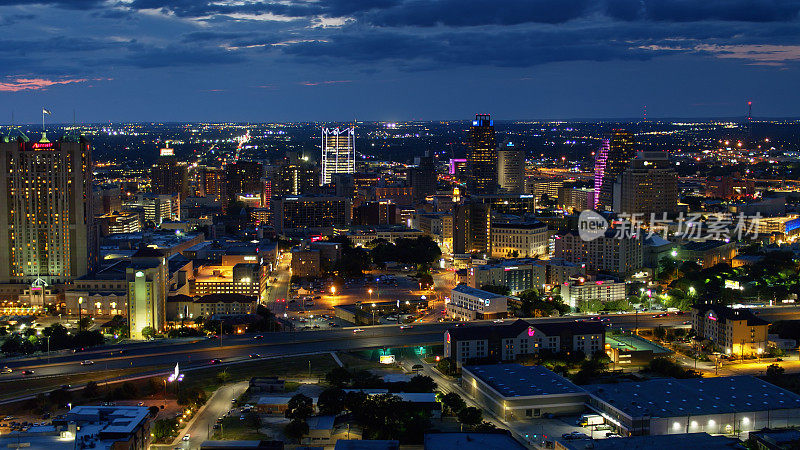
point(40, 145)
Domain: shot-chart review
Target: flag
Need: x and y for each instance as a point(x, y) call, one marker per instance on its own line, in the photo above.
point(46, 111)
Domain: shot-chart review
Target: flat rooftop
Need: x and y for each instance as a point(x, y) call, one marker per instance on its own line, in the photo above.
point(634, 343)
point(669, 397)
point(660, 442)
point(515, 380)
point(471, 441)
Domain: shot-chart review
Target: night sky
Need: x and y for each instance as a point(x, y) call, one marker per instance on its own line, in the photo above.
point(291, 60)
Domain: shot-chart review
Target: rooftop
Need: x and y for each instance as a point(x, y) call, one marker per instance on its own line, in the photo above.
point(702, 246)
point(471, 441)
point(669, 397)
point(480, 331)
point(515, 380)
point(661, 442)
point(483, 295)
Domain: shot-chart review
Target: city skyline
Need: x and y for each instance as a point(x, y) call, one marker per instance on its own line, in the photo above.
point(396, 60)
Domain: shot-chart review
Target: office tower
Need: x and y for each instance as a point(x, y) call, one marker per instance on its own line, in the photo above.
point(383, 212)
point(344, 184)
point(611, 160)
point(471, 227)
point(211, 183)
point(423, 177)
point(338, 152)
point(107, 199)
point(310, 211)
point(243, 177)
point(511, 168)
point(482, 158)
point(295, 175)
point(648, 186)
point(155, 209)
point(168, 176)
point(47, 227)
point(575, 198)
point(608, 254)
point(147, 294)
point(458, 168)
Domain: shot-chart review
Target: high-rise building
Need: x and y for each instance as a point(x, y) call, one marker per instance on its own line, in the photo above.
point(482, 158)
point(338, 152)
point(610, 254)
point(147, 291)
point(511, 168)
point(383, 212)
point(315, 212)
point(294, 176)
point(423, 177)
point(611, 160)
point(649, 186)
point(243, 177)
point(211, 183)
point(168, 176)
point(47, 227)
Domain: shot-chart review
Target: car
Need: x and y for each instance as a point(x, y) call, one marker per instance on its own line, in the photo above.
point(87, 362)
point(254, 356)
point(656, 316)
point(6, 369)
point(27, 372)
point(66, 386)
point(185, 437)
point(215, 361)
point(258, 336)
point(498, 321)
point(215, 427)
point(687, 322)
point(778, 359)
point(219, 419)
point(406, 327)
point(333, 325)
point(358, 330)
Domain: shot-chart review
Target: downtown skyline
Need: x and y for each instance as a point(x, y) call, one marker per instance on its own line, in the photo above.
point(396, 60)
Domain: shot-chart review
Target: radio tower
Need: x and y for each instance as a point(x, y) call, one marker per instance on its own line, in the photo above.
point(749, 111)
point(749, 123)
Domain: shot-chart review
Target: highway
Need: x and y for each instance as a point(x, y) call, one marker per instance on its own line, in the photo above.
point(237, 347)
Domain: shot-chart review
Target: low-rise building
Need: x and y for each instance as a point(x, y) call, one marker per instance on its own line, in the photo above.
point(528, 239)
point(516, 392)
point(468, 303)
point(306, 262)
point(581, 293)
point(719, 405)
point(185, 307)
point(708, 253)
point(243, 278)
point(736, 332)
point(491, 342)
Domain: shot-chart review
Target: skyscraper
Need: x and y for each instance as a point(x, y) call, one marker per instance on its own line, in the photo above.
point(167, 176)
point(648, 186)
point(47, 227)
point(243, 177)
point(511, 168)
point(338, 152)
point(482, 158)
point(423, 177)
point(611, 160)
point(294, 176)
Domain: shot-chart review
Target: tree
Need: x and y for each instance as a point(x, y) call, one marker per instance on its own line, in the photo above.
point(223, 377)
point(148, 332)
point(470, 416)
point(339, 377)
point(774, 371)
point(296, 429)
point(453, 402)
point(153, 410)
point(252, 420)
point(163, 428)
point(299, 407)
point(90, 390)
point(420, 383)
point(447, 367)
point(60, 397)
point(331, 401)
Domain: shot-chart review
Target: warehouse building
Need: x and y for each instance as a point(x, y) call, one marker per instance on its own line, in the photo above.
point(729, 405)
point(513, 391)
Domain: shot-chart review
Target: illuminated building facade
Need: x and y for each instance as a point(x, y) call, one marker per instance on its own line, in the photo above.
point(147, 291)
point(482, 158)
point(511, 168)
point(316, 212)
point(737, 332)
point(47, 228)
point(243, 177)
point(338, 152)
point(611, 160)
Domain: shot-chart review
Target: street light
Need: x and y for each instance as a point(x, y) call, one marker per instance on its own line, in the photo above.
point(80, 307)
point(373, 314)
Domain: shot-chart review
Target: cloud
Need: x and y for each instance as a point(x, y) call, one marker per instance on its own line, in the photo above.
point(775, 55)
point(35, 84)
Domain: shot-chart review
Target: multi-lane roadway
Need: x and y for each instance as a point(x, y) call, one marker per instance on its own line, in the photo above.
point(237, 347)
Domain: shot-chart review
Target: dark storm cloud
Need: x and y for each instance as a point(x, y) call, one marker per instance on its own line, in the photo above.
point(695, 10)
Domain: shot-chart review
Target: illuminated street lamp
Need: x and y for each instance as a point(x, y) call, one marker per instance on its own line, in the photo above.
point(373, 313)
point(80, 307)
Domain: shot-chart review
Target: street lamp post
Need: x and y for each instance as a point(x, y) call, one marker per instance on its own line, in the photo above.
point(373, 314)
point(80, 307)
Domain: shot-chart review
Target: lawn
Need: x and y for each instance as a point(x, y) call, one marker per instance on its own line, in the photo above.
point(233, 429)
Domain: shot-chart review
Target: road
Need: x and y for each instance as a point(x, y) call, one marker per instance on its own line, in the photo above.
point(235, 348)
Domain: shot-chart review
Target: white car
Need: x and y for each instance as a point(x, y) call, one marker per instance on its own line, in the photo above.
point(358, 330)
point(406, 327)
point(498, 321)
point(185, 437)
point(87, 362)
